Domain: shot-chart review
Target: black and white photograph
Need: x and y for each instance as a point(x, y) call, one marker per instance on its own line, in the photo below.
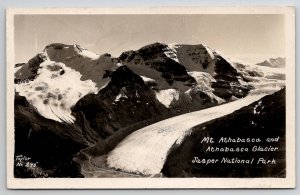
point(122, 98)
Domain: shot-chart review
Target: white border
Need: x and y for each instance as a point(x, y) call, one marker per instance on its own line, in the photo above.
point(157, 183)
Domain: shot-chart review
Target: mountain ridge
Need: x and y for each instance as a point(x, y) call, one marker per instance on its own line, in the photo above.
point(153, 62)
point(278, 62)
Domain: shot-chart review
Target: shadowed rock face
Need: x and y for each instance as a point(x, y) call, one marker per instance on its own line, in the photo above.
point(125, 101)
point(153, 57)
point(50, 143)
point(262, 119)
point(174, 63)
point(29, 70)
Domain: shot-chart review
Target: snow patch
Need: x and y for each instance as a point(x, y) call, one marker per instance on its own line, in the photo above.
point(256, 109)
point(146, 79)
point(268, 86)
point(209, 51)
point(269, 70)
point(171, 53)
point(207, 92)
point(167, 96)
point(85, 53)
point(119, 64)
point(119, 96)
point(203, 79)
point(16, 69)
point(55, 90)
point(89, 54)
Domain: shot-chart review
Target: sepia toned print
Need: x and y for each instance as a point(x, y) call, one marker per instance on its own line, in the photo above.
point(147, 98)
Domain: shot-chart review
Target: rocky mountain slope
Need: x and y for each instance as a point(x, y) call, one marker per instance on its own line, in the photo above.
point(124, 101)
point(262, 119)
point(49, 143)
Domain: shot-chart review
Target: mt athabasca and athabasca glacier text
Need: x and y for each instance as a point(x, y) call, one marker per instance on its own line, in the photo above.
point(241, 149)
point(238, 140)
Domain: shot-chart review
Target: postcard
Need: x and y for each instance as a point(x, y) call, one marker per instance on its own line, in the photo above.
point(147, 98)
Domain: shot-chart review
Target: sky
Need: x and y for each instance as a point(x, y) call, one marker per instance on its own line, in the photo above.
point(251, 38)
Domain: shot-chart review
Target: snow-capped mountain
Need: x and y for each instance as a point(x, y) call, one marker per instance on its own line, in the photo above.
point(181, 76)
point(181, 68)
point(273, 62)
point(55, 79)
point(55, 89)
point(100, 99)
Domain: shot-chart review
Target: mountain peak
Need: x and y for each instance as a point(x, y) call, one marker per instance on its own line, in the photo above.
point(60, 51)
point(123, 75)
point(154, 45)
point(57, 45)
point(278, 62)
